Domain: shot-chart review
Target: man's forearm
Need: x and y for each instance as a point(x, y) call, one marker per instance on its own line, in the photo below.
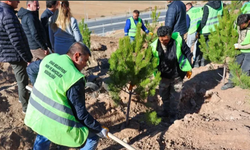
point(244, 46)
point(76, 97)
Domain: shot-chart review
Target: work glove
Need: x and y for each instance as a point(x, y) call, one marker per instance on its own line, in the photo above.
point(189, 74)
point(151, 33)
point(103, 133)
point(236, 46)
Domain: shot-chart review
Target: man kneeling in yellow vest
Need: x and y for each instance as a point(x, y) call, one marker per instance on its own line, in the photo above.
point(56, 109)
point(174, 62)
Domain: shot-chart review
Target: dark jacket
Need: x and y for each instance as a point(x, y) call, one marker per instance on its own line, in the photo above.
point(213, 4)
point(176, 17)
point(76, 97)
point(44, 20)
point(169, 66)
point(33, 29)
point(13, 41)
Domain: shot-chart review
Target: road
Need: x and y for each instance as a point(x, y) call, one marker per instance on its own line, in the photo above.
point(104, 25)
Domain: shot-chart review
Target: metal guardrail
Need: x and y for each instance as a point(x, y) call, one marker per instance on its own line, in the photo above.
point(103, 26)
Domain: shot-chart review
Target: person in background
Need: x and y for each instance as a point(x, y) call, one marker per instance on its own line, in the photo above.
point(34, 30)
point(211, 13)
point(194, 15)
point(52, 6)
point(131, 23)
point(245, 9)
point(14, 47)
point(243, 59)
point(64, 30)
point(176, 17)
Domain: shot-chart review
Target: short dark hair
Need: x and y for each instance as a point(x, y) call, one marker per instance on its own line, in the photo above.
point(78, 47)
point(243, 18)
point(164, 30)
point(49, 4)
point(189, 4)
point(137, 12)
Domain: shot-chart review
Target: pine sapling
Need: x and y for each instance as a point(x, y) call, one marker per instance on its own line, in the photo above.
point(220, 47)
point(152, 27)
point(85, 32)
point(131, 69)
point(151, 118)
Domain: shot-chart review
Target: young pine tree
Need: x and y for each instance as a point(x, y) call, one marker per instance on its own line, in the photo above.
point(131, 69)
point(83, 27)
point(239, 77)
point(151, 118)
point(152, 27)
point(220, 47)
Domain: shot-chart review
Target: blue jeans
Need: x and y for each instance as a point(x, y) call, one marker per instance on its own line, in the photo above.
point(132, 39)
point(42, 143)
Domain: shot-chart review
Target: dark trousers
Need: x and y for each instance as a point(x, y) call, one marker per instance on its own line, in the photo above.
point(243, 60)
point(170, 92)
point(19, 69)
point(199, 60)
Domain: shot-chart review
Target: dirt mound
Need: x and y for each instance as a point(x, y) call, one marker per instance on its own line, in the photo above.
point(208, 118)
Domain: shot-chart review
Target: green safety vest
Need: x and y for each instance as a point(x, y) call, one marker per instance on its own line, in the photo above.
point(195, 14)
point(49, 113)
point(213, 19)
point(246, 41)
point(246, 8)
point(132, 30)
point(184, 64)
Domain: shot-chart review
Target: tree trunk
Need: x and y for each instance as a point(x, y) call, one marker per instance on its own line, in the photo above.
point(129, 101)
point(128, 107)
point(224, 73)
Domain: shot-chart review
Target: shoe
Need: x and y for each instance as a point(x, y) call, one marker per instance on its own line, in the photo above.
point(24, 110)
point(196, 66)
point(227, 86)
point(202, 63)
point(162, 114)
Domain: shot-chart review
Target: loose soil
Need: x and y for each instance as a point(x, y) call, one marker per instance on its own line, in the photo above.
point(209, 118)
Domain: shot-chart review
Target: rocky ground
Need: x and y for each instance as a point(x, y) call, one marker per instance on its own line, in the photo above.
point(209, 118)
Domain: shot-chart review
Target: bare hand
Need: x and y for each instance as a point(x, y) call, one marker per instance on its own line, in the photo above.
point(46, 52)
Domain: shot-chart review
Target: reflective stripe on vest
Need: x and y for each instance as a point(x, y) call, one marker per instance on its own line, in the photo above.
point(184, 64)
point(213, 19)
point(246, 8)
point(195, 15)
point(49, 112)
point(246, 41)
point(132, 30)
point(50, 102)
point(53, 116)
